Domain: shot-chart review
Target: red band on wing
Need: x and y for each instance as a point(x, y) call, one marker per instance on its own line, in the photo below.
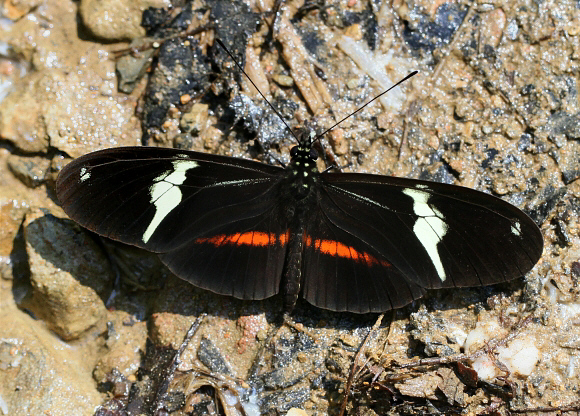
point(261, 239)
point(249, 238)
point(337, 249)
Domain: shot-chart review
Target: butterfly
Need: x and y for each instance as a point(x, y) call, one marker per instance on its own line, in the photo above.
point(343, 241)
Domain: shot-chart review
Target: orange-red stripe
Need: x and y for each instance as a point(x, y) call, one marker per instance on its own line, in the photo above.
point(249, 238)
point(260, 239)
point(283, 238)
point(337, 249)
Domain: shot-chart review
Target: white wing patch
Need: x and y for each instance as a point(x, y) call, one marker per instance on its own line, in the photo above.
point(85, 174)
point(517, 229)
point(165, 193)
point(429, 227)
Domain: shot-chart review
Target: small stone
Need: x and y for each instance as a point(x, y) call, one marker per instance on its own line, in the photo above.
point(521, 356)
point(115, 20)
point(514, 130)
point(211, 137)
point(350, 340)
point(167, 328)
point(563, 123)
point(485, 368)
point(296, 412)
point(512, 30)
point(212, 358)
point(496, 101)
point(283, 80)
point(31, 171)
point(384, 120)
point(569, 161)
point(483, 332)
point(302, 357)
point(424, 386)
point(458, 165)
point(433, 141)
point(185, 98)
point(574, 28)
point(354, 32)
point(195, 120)
point(337, 141)
point(492, 26)
point(131, 68)
point(353, 83)
point(16, 9)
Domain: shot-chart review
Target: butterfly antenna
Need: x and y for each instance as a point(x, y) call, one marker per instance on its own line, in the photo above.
point(360, 108)
point(257, 89)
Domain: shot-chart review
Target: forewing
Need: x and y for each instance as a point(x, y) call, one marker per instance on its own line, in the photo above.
point(213, 219)
point(435, 235)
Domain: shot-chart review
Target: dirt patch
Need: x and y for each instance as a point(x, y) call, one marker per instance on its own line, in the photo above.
point(495, 107)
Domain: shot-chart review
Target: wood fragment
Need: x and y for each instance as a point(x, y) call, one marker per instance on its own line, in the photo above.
point(256, 73)
point(296, 56)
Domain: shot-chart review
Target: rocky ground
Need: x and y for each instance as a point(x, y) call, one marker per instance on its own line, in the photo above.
point(91, 326)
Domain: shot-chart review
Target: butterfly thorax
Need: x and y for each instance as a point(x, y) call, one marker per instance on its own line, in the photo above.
point(303, 172)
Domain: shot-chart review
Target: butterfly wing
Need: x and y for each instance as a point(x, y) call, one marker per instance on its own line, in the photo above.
point(395, 236)
point(213, 219)
point(344, 273)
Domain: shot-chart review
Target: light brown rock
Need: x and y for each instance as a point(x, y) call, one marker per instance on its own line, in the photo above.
point(116, 20)
point(67, 111)
point(67, 291)
point(40, 374)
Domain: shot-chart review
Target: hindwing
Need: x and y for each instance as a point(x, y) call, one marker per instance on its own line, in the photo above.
point(436, 235)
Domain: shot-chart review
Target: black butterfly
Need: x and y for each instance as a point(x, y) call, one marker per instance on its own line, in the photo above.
point(343, 241)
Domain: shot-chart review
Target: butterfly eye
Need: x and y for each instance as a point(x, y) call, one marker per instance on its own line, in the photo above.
point(313, 154)
point(294, 151)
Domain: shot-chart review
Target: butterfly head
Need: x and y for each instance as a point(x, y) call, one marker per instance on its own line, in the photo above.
point(304, 151)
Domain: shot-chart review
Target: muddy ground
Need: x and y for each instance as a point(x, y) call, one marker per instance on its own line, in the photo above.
point(89, 325)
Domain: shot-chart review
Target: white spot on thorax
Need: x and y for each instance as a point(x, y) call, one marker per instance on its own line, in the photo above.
point(429, 227)
point(165, 193)
point(85, 174)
